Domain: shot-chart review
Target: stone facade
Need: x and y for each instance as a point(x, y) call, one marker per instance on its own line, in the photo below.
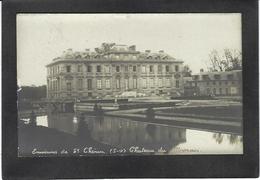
point(111, 70)
point(215, 83)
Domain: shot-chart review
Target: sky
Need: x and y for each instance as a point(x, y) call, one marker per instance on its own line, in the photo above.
point(188, 37)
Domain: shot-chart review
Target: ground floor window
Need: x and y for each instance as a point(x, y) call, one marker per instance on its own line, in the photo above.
point(160, 84)
point(177, 84)
point(69, 86)
point(127, 83)
point(144, 83)
point(168, 82)
point(118, 83)
point(89, 83)
point(80, 84)
point(99, 84)
point(108, 85)
point(134, 83)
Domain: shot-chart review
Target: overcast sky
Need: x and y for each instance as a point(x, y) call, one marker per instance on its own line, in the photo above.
point(190, 37)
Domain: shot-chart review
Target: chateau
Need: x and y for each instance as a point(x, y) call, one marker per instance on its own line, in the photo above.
point(111, 70)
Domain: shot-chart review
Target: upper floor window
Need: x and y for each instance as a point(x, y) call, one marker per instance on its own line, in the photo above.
point(80, 84)
point(167, 68)
point(143, 69)
point(98, 68)
point(107, 69)
point(126, 68)
point(79, 68)
point(89, 68)
point(176, 68)
point(159, 68)
point(230, 76)
point(151, 68)
point(68, 68)
point(134, 68)
point(117, 68)
point(69, 86)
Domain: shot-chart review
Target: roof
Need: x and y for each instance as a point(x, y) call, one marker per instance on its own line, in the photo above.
point(113, 52)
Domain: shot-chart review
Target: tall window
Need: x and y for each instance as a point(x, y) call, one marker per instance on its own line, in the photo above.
point(151, 68)
point(143, 69)
point(135, 83)
point(117, 68)
point(126, 83)
point(107, 69)
point(99, 84)
point(227, 91)
point(176, 68)
point(160, 82)
point(177, 84)
point(126, 68)
point(167, 68)
point(118, 83)
point(144, 83)
point(159, 69)
point(69, 86)
point(168, 82)
point(214, 90)
point(89, 68)
point(220, 90)
point(134, 68)
point(152, 82)
point(98, 68)
point(80, 84)
point(68, 68)
point(108, 83)
point(208, 91)
point(89, 84)
point(79, 68)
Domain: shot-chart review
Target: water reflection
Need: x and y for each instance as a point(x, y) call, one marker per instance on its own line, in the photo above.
point(120, 132)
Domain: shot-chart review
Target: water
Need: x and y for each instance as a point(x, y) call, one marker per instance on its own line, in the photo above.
point(121, 133)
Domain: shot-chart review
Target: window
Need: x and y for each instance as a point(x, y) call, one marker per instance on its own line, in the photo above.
point(207, 83)
point(89, 84)
point(217, 76)
point(127, 83)
point(99, 84)
point(69, 86)
point(214, 91)
point(80, 84)
point(208, 91)
point(176, 68)
point(144, 83)
point(89, 68)
point(152, 82)
point(98, 68)
point(167, 68)
point(226, 82)
point(79, 68)
point(160, 69)
point(107, 69)
point(118, 83)
point(220, 90)
point(177, 84)
point(134, 68)
point(135, 83)
point(220, 83)
point(143, 69)
point(214, 82)
point(68, 68)
point(227, 91)
point(108, 83)
point(230, 76)
point(233, 82)
point(151, 68)
point(168, 82)
point(117, 68)
point(160, 82)
point(126, 68)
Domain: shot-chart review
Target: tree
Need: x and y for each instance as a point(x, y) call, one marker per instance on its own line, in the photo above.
point(227, 61)
point(186, 71)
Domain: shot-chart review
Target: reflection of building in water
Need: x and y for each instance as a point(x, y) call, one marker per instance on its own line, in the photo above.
point(111, 70)
point(125, 133)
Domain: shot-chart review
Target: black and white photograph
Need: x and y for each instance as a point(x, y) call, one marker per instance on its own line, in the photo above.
point(129, 84)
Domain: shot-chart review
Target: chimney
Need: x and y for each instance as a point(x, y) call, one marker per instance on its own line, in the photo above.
point(161, 51)
point(147, 51)
point(201, 70)
point(132, 48)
